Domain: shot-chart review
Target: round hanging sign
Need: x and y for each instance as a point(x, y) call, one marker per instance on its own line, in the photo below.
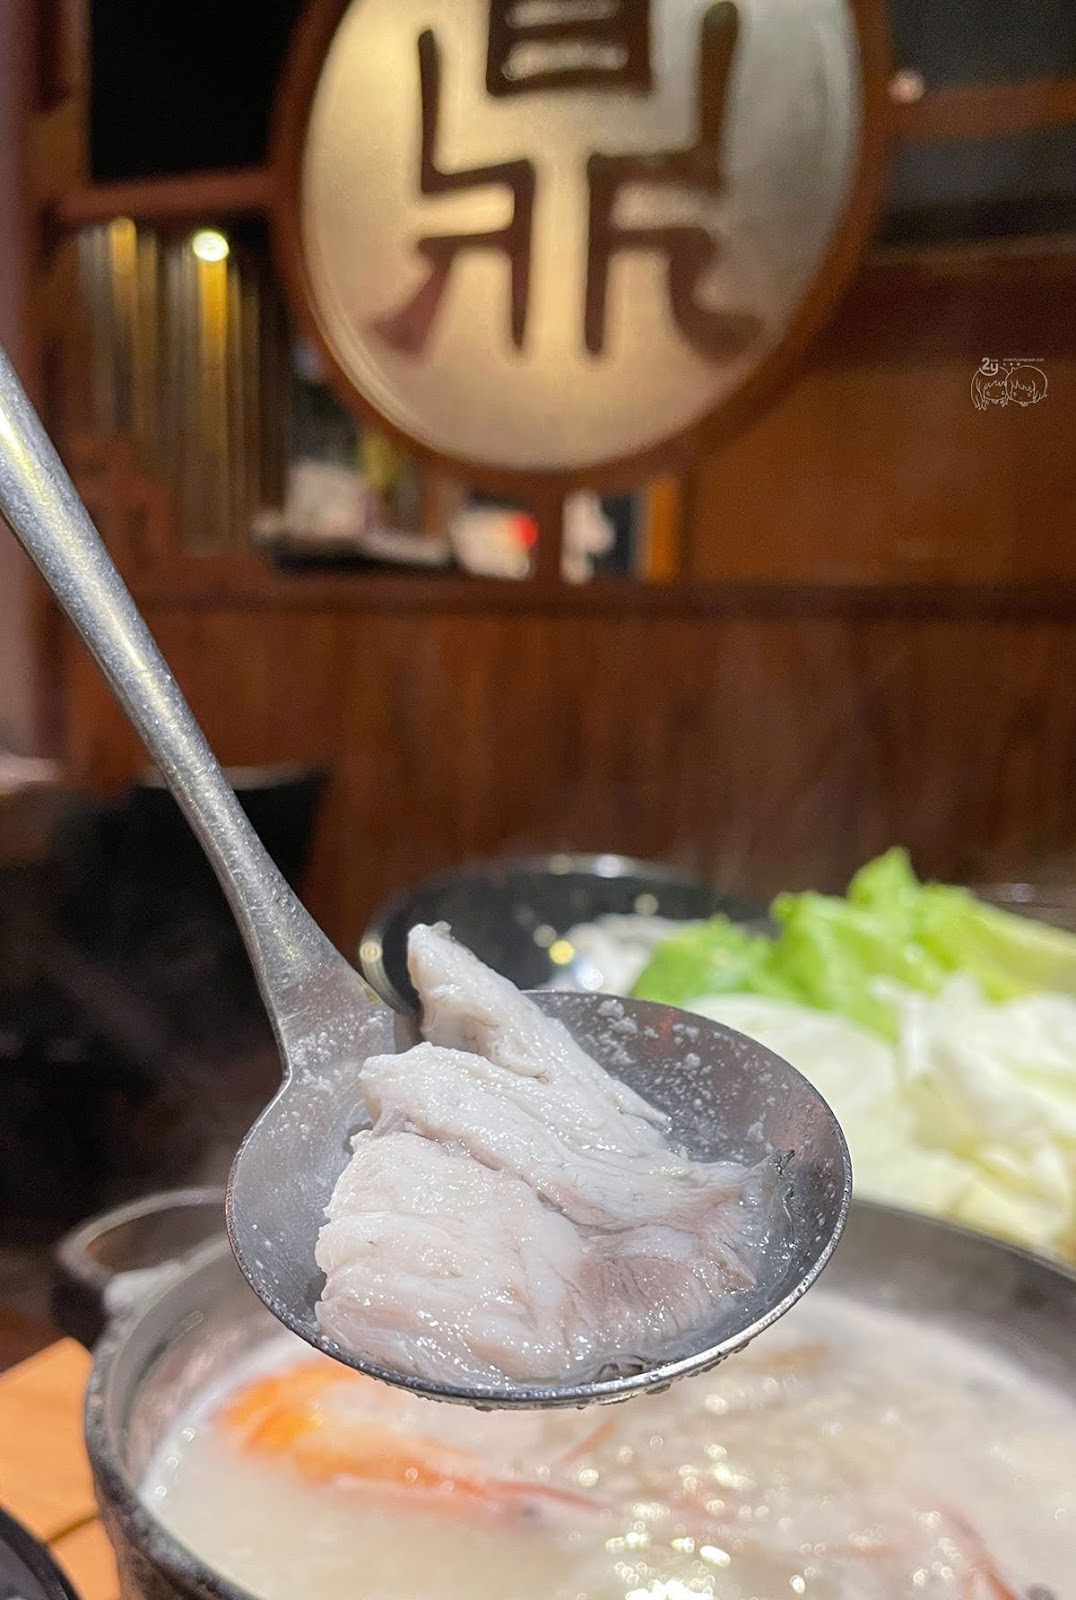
point(573, 238)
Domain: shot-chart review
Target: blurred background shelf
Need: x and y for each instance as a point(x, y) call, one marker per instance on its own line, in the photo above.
point(186, 197)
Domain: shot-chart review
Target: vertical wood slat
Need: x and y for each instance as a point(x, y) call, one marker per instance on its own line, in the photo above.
point(662, 531)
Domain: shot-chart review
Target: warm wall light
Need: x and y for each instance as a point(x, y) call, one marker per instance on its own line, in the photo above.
point(209, 245)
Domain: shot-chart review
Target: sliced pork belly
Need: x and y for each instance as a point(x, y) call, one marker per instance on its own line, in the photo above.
point(516, 1213)
point(435, 1265)
point(591, 1161)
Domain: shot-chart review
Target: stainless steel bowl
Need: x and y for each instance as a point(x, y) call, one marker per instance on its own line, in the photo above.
point(157, 1356)
point(512, 913)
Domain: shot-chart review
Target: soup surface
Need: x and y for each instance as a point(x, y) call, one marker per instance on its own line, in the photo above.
point(849, 1454)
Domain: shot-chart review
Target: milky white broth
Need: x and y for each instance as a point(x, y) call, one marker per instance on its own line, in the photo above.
point(849, 1454)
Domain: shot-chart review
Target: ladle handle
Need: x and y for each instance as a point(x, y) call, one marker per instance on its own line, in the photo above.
point(54, 528)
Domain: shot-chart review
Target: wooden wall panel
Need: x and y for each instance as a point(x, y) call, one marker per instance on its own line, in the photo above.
point(876, 465)
point(767, 753)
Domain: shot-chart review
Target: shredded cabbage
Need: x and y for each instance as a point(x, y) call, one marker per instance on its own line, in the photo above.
point(970, 1115)
point(941, 1031)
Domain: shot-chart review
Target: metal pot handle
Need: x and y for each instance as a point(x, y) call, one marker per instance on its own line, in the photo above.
point(112, 1262)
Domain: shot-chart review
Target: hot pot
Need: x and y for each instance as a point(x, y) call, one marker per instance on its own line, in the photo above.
point(171, 1326)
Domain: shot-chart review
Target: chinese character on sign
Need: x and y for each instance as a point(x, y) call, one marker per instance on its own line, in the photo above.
point(689, 250)
point(543, 44)
point(567, 44)
point(409, 328)
point(539, 235)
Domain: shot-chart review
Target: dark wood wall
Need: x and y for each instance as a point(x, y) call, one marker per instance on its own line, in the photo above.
point(766, 751)
point(879, 644)
point(874, 640)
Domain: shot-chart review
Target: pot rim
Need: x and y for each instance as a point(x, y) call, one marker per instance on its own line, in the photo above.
point(119, 1495)
point(90, 1290)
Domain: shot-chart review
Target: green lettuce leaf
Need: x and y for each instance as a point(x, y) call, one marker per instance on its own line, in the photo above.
point(714, 957)
point(1007, 954)
point(830, 951)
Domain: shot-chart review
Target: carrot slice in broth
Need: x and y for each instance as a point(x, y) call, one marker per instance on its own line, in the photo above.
point(290, 1416)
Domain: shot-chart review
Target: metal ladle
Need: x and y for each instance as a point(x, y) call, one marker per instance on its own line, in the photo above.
point(726, 1096)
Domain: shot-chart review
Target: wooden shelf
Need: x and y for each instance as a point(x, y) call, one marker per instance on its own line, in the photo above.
point(223, 585)
point(984, 111)
point(189, 197)
point(977, 111)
